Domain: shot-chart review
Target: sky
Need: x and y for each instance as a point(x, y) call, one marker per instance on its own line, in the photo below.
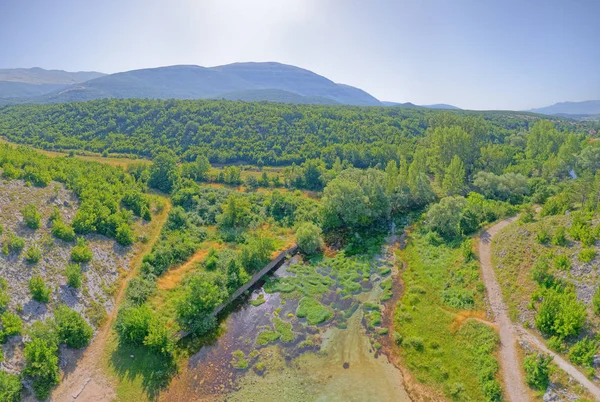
point(476, 54)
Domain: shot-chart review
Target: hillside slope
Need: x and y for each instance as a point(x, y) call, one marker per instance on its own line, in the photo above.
point(26, 82)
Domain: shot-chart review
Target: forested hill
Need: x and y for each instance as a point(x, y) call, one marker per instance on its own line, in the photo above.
point(259, 133)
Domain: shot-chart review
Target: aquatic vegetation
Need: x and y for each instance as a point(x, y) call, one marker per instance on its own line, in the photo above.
point(265, 337)
point(239, 360)
point(314, 312)
point(258, 301)
point(285, 329)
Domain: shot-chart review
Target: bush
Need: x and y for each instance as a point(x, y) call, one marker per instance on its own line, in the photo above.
point(133, 324)
point(308, 237)
point(124, 235)
point(62, 231)
point(4, 296)
point(587, 255)
point(39, 291)
point(74, 274)
point(537, 371)
point(31, 216)
point(583, 352)
point(542, 236)
point(562, 262)
point(10, 387)
point(596, 301)
point(73, 330)
point(560, 314)
point(81, 253)
point(41, 365)
point(559, 238)
point(33, 254)
point(159, 338)
point(11, 324)
point(13, 243)
point(139, 290)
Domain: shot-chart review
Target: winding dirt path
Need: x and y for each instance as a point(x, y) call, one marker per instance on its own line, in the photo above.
point(509, 333)
point(87, 382)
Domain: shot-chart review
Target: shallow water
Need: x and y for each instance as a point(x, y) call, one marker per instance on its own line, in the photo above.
point(342, 366)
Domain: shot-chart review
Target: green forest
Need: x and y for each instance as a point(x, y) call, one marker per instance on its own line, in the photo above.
point(242, 181)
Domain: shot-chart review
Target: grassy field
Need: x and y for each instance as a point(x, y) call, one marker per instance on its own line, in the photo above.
point(445, 342)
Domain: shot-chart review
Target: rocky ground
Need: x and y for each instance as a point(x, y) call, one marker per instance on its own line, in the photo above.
point(100, 275)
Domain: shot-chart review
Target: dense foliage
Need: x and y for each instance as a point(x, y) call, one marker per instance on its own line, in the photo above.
point(259, 133)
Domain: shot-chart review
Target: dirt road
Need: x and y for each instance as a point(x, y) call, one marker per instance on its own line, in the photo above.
point(515, 389)
point(509, 332)
point(87, 382)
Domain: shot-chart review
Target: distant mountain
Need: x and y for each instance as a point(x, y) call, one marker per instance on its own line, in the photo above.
point(240, 81)
point(585, 108)
point(409, 105)
point(441, 106)
point(27, 82)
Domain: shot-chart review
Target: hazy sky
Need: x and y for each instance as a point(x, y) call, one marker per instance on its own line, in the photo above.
point(480, 54)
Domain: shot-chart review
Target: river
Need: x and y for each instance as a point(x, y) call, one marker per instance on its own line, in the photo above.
point(322, 363)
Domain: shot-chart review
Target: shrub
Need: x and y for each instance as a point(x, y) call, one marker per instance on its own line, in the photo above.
point(542, 236)
point(133, 324)
point(559, 238)
point(74, 274)
point(414, 342)
point(81, 253)
point(73, 330)
point(31, 216)
point(10, 387)
point(467, 250)
point(583, 352)
point(4, 296)
point(41, 365)
point(62, 231)
point(124, 235)
point(562, 262)
point(38, 289)
point(540, 273)
point(537, 371)
point(13, 243)
point(308, 237)
point(560, 314)
point(159, 338)
point(596, 301)
point(33, 254)
point(139, 290)
point(587, 255)
point(11, 324)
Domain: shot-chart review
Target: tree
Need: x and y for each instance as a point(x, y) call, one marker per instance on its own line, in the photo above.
point(202, 295)
point(236, 212)
point(445, 217)
point(163, 172)
point(198, 170)
point(308, 238)
point(510, 187)
point(355, 199)
point(454, 177)
point(31, 216)
point(256, 253)
point(73, 330)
